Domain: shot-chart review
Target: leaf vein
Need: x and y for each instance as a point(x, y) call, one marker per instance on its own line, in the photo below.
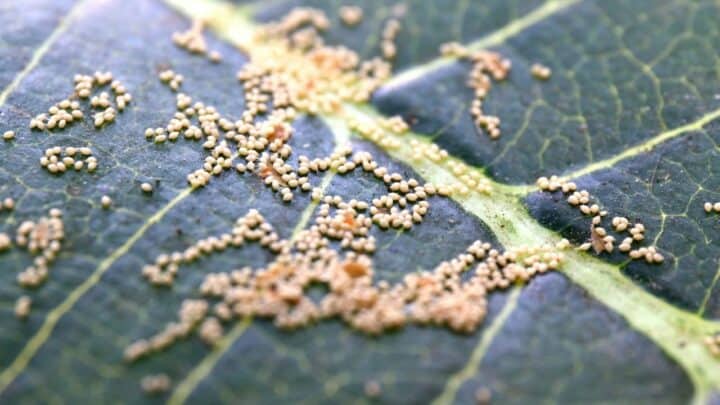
point(645, 146)
point(40, 52)
point(497, 37)
point(453, 384)
point(45, 331)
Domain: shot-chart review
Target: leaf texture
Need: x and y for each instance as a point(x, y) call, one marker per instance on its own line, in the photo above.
point(628, 114)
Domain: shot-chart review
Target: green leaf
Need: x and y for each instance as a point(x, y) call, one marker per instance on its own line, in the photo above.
point(628, 111)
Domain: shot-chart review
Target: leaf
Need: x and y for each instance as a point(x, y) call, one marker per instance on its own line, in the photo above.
point(625, 79)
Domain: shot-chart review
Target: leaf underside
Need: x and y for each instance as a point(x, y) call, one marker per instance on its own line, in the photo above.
point(624, 75)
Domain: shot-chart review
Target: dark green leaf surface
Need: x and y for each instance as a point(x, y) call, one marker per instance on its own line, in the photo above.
point(588, 362)
point(550, 342)
point(622, 73)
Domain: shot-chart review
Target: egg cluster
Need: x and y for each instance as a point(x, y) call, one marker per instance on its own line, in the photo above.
point(600, 239)
point(58, 159)
point(190, 314)
point(43, 239)
point(297, 19)
point(389, 34)
point(486, 67)
point(385, 132)
point(443, 296)
point(375, 131)
point(67, 111)
point(290, 62)
point(192, 40)
point(172, 79)
point(310, 77)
